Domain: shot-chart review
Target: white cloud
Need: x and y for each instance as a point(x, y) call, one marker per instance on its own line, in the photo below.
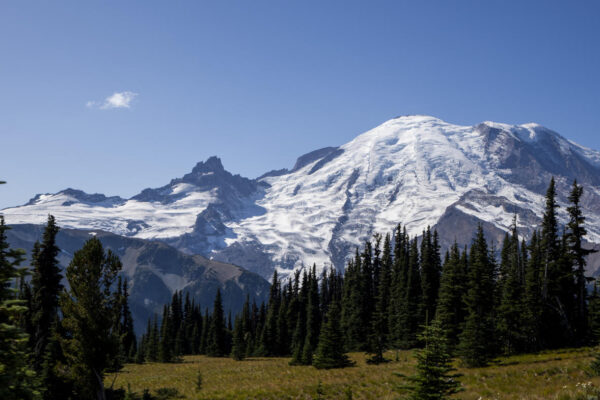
point(116, 100)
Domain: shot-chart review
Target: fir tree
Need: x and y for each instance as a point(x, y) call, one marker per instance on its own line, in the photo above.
point(430, 273)
point(434, 378)
point(450, 311)
point(91, 345)
point(594, 316)
point(329, 352)
point(553, 314)
point(312, 319)
point(17, 381)
point(153, 340)
point(216, 341)
point(533, 304)
point(410, 314)
point(46, 286)
point(269, 340)
point(477, 339)
point(378, 335)
point(575, 237)
point(352, 306)
point(398, 285)
point(511, 308)
point(204, 337)
point(128, 337)
point(165, 353)
point(238, 351)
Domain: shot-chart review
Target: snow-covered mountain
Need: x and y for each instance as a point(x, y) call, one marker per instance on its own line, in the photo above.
point(414, 170)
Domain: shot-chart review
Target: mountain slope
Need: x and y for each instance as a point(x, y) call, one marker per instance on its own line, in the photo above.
point(155, 271)
point(417, 170)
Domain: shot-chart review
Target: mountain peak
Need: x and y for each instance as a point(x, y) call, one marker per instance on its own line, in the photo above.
point(212, 164)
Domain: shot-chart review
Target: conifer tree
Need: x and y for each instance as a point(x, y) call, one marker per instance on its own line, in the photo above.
point(329, 353)
point(128, 337)
point(575, 237)
point(434, 378)
point(216, 341)
point(204, 337)
point(430, 273)
point(269, 343)
point(410, 314)
point(282, 334)
point(153, 340)
point(298, 340)
point(17, 381)
point(477, 339)
point(398, 285)
point(238, 351)
point(533, 303)
point(55, 385)
point(165, 353)
point(511, 308)
point(553, 315)
point(46, 286)
point(91, 345)
point(378, 336)
point(594, 316)
point(352, 306)
point(312, 319)
point(450, 311)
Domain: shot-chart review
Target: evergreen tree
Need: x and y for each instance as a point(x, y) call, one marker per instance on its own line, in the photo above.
point(575, 237)
point(533, 302)
point(398, 285)
point(511, 308)
point(594, 316)
point(128, 337)
point(238, 351)
point(430, 273)
point(90, 345)
point(434, 379)
point(282, 334)
point(450, 311)
point(46, 287)
point(300, 326)
point(204, 337)
point(216, 341)
point(17, 381)
point(246, 326)
point(165, 353)
point(329, 352)
point(153, 340)
point(477, 341)
point(410, 314)
point(269, 343)
point(554, 317)
point(352, 306)
point(55, 385)
point(378, 336)
point(312, 319)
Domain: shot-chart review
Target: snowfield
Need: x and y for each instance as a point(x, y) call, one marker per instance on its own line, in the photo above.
point(411, 170)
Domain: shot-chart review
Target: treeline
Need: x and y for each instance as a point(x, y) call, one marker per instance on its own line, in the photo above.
point(183, 329)
point(532, 297)
point(57, 342)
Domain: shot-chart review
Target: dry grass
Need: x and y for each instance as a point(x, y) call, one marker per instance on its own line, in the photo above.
point(552, 375)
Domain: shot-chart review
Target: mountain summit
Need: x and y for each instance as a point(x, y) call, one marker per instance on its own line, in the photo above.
point(416, 170)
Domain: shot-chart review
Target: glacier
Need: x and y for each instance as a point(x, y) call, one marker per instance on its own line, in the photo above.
point(415, 170)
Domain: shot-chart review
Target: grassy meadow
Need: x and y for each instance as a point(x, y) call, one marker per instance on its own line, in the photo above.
point(548, 375)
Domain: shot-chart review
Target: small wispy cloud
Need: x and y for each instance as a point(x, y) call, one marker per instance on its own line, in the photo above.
point(115, 100)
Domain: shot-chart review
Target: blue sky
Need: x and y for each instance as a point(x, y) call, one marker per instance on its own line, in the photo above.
point(259, 83)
